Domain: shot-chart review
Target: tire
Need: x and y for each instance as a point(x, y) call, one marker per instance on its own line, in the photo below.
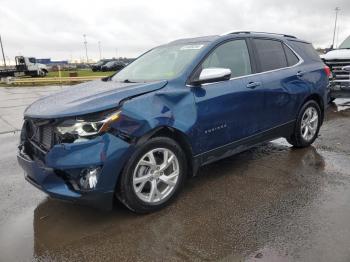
point(298, 138)
point(136, 170)
point(41, 73)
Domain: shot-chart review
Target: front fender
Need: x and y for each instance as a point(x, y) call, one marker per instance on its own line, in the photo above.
point(169, 107)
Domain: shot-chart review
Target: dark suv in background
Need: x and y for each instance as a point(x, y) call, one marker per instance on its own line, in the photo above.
point(97, 66)
point(114, 65)
point(138, 134)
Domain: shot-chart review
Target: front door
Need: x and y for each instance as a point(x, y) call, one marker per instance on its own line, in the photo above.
point(231, 110)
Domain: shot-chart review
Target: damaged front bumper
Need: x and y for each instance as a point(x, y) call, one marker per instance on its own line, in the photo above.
point(59, 173)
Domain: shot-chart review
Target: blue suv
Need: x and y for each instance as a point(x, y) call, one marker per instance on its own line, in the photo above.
point(138, 134)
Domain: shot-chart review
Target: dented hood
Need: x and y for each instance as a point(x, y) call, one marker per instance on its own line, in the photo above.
point(87, 98)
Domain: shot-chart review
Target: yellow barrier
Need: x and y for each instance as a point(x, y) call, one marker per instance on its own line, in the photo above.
point(54, 79)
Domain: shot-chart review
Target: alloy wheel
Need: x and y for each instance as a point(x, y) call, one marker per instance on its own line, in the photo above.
point(156, 175)
point(309, 123)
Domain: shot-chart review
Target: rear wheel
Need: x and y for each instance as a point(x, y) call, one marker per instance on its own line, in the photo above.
point(153, 176)
point(307, 125)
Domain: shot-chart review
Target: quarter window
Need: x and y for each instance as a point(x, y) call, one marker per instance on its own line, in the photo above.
point(270, 54)
point(233, 55)
point(305, 50)
point(291, 57)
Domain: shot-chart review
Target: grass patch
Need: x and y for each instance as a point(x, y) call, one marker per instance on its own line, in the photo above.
point(80, 73)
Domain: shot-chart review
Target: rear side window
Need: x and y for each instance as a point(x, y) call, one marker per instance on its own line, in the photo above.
point(292, 59)
point(270, 54)
point(305, 50)
point(233, 55)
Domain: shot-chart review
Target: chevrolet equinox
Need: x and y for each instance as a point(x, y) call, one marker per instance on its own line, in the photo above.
point(138, 134)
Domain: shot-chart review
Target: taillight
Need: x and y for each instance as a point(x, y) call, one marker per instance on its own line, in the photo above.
point(328, 71)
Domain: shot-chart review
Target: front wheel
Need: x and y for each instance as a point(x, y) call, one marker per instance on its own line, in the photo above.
point(153, 176)
point(307, 125)
point(41, 73)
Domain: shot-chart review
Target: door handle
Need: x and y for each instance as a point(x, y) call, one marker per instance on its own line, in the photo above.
point(300, 74)
point(253, 85)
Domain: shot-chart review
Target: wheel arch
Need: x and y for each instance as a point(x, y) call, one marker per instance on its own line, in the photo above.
point(318, 99)
point(179, 137)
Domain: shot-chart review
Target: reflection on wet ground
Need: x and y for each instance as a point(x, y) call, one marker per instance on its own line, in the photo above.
point(271, 203)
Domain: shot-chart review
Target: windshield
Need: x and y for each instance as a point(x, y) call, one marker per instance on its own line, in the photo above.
point(161, 63)
point(345, 44)
point(110, 63)
point(99, 63)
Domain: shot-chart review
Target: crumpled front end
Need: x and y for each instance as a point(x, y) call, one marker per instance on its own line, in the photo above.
point(85, 171)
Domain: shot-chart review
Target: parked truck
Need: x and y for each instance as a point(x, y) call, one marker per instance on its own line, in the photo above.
point(25, 66)
point(338, 61)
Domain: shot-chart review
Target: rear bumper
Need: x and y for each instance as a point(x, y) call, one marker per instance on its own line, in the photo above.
point(107, 151)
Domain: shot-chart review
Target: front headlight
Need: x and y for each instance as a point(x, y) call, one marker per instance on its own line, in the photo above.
point(83, 128)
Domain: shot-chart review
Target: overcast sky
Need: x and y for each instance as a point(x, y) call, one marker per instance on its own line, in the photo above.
point(54, 29)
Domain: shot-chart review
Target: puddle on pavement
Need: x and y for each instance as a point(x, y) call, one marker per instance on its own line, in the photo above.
point(236, 206)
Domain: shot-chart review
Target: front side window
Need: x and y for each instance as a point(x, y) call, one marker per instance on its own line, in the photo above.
point(32, 60)
point(270, 54)
point(233, 55)
point(161, 63)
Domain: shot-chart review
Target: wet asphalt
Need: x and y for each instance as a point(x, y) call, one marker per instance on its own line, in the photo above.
point(271, 203)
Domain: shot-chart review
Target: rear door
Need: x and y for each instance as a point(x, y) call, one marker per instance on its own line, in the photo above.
point(228, 110)
point(277, 64)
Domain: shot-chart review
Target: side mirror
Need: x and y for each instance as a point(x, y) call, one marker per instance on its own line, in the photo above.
point(213, 74)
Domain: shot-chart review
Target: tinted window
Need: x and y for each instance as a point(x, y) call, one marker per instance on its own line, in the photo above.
point(292, 59)
point(305, 50)
point(270, 54)
point(233, 55)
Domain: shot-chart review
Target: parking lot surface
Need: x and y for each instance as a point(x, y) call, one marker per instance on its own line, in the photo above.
point(271, 203)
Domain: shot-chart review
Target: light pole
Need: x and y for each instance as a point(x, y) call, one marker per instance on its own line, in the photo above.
point(337, 9)
point(99, 49)
point(86, 52)
point(3, 54)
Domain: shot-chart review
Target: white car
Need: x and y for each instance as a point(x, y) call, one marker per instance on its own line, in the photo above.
point(339, 62)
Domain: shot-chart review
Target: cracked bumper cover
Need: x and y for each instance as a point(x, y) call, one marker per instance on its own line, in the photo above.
point(107, 151)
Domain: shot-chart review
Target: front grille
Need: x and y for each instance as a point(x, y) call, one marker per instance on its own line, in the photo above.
point(340, 76)
point(46, 136)
point(40, 132)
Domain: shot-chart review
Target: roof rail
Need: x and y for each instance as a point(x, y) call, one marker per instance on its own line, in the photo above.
point(253, 32)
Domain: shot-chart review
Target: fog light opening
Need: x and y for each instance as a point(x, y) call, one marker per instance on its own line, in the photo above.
point(89, 178)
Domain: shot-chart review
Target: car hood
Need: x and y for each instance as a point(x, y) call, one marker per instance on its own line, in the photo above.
point(337, 54)
point(88, 98)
